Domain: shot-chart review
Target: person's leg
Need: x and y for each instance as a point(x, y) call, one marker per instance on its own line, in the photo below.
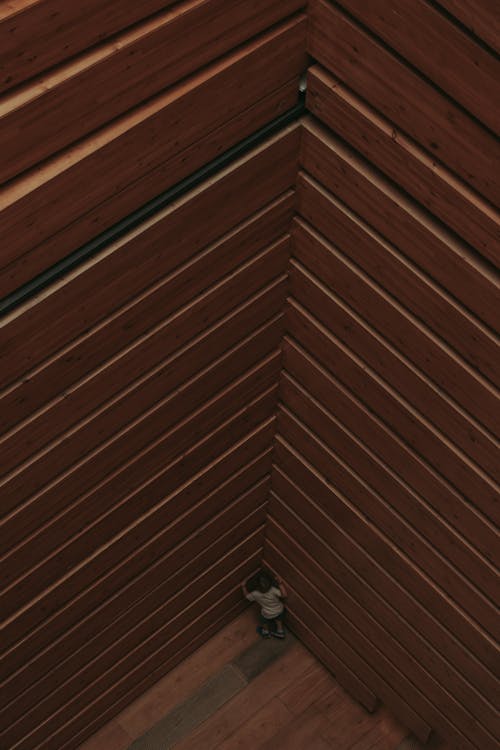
point(263, 628)
point(280, 630)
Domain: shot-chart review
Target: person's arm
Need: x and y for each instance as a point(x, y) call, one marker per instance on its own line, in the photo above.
point(278, 583)
point(246, 593)
point(282, 588)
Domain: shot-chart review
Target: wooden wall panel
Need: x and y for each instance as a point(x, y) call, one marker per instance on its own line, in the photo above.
point(404, 96)
point(431, 183)
point(297, 361)
point(46, 214)
point(137, 435)
point(62, 106)
point(37, 34)
point(383, 517)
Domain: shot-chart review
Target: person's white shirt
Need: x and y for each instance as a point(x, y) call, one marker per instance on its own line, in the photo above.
point(270, 602)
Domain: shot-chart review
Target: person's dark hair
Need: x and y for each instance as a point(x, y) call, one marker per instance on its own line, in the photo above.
point(262, 581)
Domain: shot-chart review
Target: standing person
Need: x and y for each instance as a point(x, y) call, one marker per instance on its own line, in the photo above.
point(269, 594)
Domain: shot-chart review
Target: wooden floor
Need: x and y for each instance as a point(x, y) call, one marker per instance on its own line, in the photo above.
point(293, 704)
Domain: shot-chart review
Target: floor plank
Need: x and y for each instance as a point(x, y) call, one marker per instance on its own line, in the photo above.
point(286, 700)
point(188, 676)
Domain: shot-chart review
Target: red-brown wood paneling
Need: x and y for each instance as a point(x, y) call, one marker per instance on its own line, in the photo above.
point(383, 517)
point(137, 435)
point(296, 362)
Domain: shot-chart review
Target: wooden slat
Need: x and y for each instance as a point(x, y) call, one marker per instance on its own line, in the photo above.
point(393, 684)
point(423, 693)
point(404, 97)
point(403, 23)
point(479, 16)
point(58, 108)
point(358, 494)
point(33, 334)
point(411, 506)
point(335, 358)
point(401, 159)
point(434, 644)
point(388, 404)
point(401, 221)
point(56, 531)
point(374, 540)
point(34, 656)
point(81, 399)
point(139, 640)
point(57, 619)
point(117, 382)
point(37, 34)
point(226, 590)
point(193, 637)
point(404, 280)
point(27, 219)
point(177, 577)
point(92, 634)
point(57, 562)
point(258, 379)
point(376, 319)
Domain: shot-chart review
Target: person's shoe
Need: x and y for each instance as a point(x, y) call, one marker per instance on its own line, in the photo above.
point(262, 632)
point(278, 634)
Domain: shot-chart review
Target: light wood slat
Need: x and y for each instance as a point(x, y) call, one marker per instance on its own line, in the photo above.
point(324, 616)
point(34, 655)
point(183, 564)
point(139, 687)
point(465, 399)
point(404, 23)
point(59, 107)
point(305, 475)
point(128, 379)
point(403, 279)
point(312, 337)
point(387, 657)
point(333, 636)
point(376, 589)
point(480, 16)
point(98, 500)
point(407, 641)
point(31, 228)
point(405, 162)
point(453, 553)
point(81, 399)
point(185, 163)
point(338, 664)
point(388, 403)
point(404, 97)
point(174, 437)
point(110, 280)
point(60, 615)
point(92, 634)
point(342, 673)
point(140, 639)
point(372, 507)
point(73, 717)
point(401, 221)
point(57, 563)
point(37, 34)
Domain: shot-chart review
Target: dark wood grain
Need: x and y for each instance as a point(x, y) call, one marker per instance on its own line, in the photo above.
point(37, 35)
point(404, 161)
point(401, 221)
point(59, 107)
point(402, 95)
point(469, 74)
